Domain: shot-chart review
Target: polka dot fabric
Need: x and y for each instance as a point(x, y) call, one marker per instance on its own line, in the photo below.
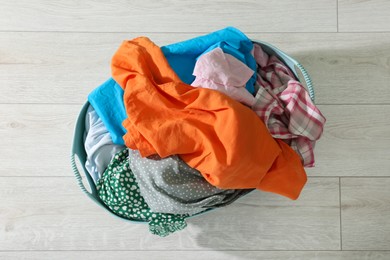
point(169, 185)
point(118, 189)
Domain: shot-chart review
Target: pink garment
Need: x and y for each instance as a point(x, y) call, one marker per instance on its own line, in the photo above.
point(223, 72)
point(285, 106)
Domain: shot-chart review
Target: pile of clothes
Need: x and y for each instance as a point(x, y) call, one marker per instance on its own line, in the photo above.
point(195, 125)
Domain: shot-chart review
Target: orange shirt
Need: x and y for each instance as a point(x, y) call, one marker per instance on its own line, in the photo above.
point(223, 139)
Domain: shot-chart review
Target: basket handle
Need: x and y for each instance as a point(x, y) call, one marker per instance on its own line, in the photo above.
point(78, 150)
point(305, 79)
point(77, 175)
point(93, 194)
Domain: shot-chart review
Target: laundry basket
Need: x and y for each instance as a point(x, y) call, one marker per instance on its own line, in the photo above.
point(78, 139)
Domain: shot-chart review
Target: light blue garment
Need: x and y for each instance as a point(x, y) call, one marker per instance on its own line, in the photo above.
point(182, 56)
point(107, 99)
point(98, 145)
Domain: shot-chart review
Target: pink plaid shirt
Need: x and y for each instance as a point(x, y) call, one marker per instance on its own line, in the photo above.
point(286, 107)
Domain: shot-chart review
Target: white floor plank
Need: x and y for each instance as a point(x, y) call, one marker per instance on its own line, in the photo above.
point(53, 53)
point(39, 213)
point(365, 205)
point(195, 255)
point(65, 67)
point(354, 142)
point(58, 67)
point(346, 68)
point(37, 139)
point(168, 16)
point(363, 16)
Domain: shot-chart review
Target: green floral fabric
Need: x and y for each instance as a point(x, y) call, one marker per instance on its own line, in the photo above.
point(118, 189)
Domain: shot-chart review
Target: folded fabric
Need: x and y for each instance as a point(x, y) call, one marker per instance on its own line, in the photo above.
point(98, 145)
point(223, 72)
point(286, 107)
point(170, 186)
point(119, 190)
point(183, 55)
point(223, 139)
point(107, 100)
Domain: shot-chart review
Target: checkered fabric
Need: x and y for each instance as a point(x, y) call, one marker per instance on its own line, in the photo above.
point(286, 108)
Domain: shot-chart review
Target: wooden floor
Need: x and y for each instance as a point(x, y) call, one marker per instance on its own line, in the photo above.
point(53, 53)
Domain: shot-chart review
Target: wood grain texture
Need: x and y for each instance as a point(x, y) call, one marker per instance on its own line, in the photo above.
point(51, 213)
point(345, 68)
point(365, 212)
point(168, 16)
point(57, 67)
point(65, 67)
point(355, 141)
point(195, 255)
point(363, 16)
point(53, 53)
point(36, 139)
